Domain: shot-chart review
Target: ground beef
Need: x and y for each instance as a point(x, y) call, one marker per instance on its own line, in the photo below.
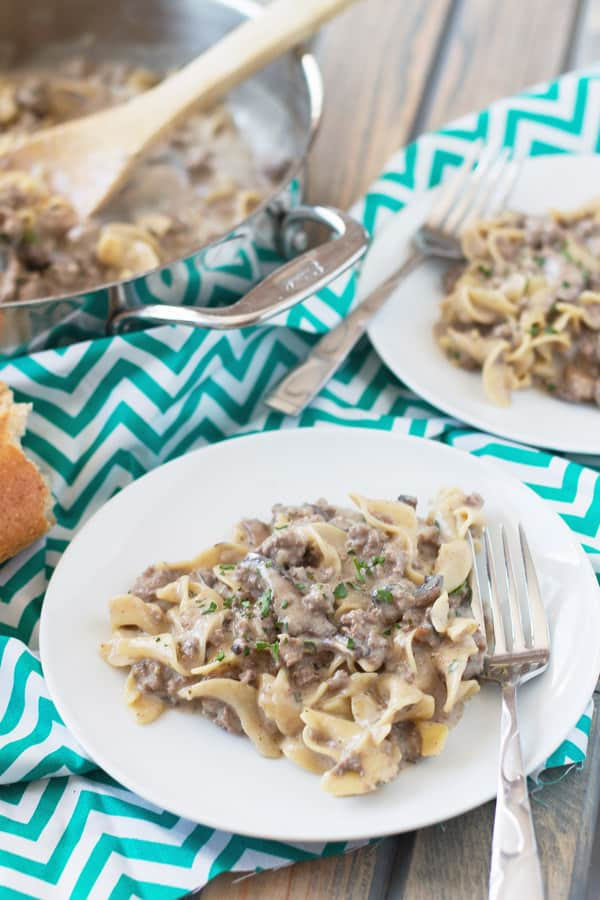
point(428, 543)
point(287, 548)
point(221, 714)
point(255, 531)
point(578, 384)
point(409, 740)
point(152, 677)
point(366, 542)
point(369, 645)
point(150, 581)
point(304, 673)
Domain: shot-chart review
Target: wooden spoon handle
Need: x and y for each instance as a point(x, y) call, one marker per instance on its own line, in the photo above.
point(245, 50)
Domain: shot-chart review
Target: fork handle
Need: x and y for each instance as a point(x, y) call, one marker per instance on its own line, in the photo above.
point(293, 394)
point(515, 869)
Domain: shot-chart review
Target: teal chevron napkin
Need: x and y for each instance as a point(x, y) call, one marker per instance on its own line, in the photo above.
point(109, 410)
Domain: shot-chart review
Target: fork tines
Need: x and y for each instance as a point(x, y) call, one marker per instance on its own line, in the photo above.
point(514, 600)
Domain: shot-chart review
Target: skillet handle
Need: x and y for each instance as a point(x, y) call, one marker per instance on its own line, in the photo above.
point(287, 286)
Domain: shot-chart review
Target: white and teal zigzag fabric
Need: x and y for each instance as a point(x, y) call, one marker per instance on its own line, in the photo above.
point(107, 411)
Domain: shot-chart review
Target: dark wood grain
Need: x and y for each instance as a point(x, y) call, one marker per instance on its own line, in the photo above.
point(375, 61)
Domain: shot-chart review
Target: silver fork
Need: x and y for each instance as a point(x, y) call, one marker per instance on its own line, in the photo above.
point(471, 193)
point(511, 659)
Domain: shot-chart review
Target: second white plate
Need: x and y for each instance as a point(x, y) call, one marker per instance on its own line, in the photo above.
point(187, 765)
point(402, 333)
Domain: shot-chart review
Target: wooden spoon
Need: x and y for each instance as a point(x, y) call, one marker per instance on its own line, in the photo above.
point(86, 160)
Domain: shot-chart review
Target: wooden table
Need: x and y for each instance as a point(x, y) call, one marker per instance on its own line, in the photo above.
point(393, 69)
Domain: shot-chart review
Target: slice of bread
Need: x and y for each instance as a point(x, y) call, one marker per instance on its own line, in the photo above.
point(25, 500)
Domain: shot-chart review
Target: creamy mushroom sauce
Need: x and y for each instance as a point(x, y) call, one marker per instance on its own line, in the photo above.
point(526, 307)
point(193, 187)
point(340, 638)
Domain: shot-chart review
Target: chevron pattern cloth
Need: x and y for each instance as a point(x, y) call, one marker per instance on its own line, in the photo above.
point(108, 410)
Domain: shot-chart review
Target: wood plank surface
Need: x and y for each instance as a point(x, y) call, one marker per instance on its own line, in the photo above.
point(497, 49)
point(376, 60)
point(394, 68)
point(451, 860)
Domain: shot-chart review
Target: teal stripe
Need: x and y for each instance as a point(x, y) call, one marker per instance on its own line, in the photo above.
point(566, 753)
point(127, 887)
point(43, 812)
point(134, 848)
point(237, 846)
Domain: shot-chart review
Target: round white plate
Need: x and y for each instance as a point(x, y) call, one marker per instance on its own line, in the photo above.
point(185, 763)
point(402, 332)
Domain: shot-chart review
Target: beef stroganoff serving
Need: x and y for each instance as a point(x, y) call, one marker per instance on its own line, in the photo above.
point(526, 307)
point(340, 638)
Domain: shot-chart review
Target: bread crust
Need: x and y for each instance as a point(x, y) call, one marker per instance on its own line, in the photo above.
point(25, 500)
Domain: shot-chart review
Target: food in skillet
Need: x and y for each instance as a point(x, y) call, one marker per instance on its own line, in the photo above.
point(526, 307)
point(342, 639)
point(193, 187)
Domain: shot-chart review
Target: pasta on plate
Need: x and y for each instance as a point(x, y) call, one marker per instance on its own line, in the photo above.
point(340, 638)
point(526, 307)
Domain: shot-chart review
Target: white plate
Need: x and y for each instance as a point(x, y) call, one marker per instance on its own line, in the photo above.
point(185, 763)
point(402, 332)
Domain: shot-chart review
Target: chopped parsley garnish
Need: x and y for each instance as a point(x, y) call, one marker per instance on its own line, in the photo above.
point(280, 527)
point(550, 330)
point(274, 648)
point(265, 603)
point(157, 640)
point(535, 329)
point(226, 567)
point(387, 632)
point(300, 585)
point(284, 604)
point(351, 644)
point(566, 284)
point(269, 564)
point(376, 560)
point(383, 595)
point(485, 270)
point(540, 260)
point(310, 645)
point(220, 656)
point(227, 601)
point(246, 651)
point(245, 604)
point(211, 608)
point(551, 386)
point(340, 591)
point(360, 565)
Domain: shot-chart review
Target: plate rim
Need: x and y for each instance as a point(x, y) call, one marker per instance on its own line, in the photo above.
point(353, 833)
point(448, 407)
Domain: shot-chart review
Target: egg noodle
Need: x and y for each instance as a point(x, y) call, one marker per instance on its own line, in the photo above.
point(342, 639)
point(526, 307)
